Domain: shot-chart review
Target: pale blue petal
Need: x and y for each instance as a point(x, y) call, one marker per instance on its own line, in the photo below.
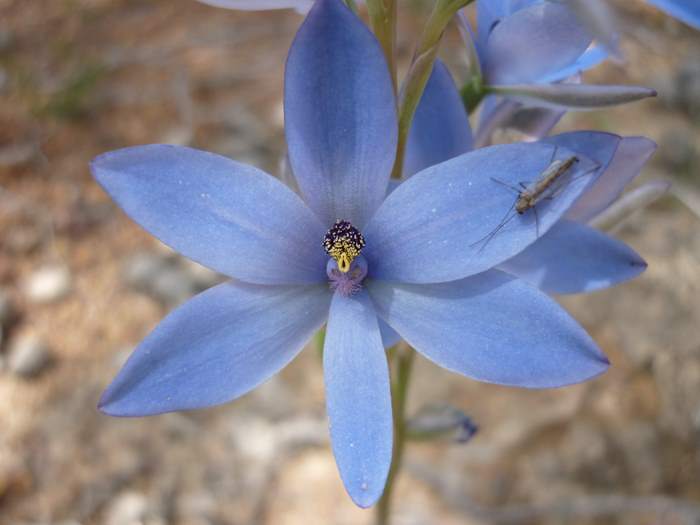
point(434, 226)
point(340, 115)
point(358, 397)
point(216, 347)
point(591, 58)
point(488, 14)
point(581, 97)
point(492, 328)
point(574, 258)
point(228, 216)
point(533, 43)
point(631, 155)
point(389, 335)
point(686, 10)
point(598, 146)
point(440, 129)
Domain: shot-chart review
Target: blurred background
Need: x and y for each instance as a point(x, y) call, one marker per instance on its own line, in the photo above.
point(80, 285)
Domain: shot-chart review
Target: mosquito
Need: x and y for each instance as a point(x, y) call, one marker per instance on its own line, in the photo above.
point(529, 196)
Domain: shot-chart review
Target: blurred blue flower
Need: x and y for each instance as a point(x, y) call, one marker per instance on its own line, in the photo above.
point(531, 52)
point(346, 255)
point(572, 257)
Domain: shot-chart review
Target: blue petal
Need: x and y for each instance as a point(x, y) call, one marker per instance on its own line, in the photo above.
point(358, 396)
point(631, 155)
point(340, 115)
point(591, 58)
point(228, 216)
point(488, 14)
point(598, 146)
point(216, 347)
point(574, 258)
point(492, 328)
point(686, 10)
point(261, 5)
point(533, 43)
point(581, 97)
point(389, 335)
point(435, 226)
point(440, 129)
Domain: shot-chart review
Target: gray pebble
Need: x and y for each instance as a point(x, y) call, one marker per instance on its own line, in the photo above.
point(140, 269)
point(28, 356)
point(48, 284)
point(173, 286)
point(132, 508)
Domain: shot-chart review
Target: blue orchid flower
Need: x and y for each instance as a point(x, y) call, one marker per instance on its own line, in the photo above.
point(345, 254)
point(530, 53)
point(532, 41)
point(572, 257)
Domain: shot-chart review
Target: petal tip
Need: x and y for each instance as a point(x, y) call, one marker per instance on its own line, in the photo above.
point(365, 496)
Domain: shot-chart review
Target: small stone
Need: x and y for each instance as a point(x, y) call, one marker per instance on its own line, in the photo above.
point(140, 269)
point(48, 284)
point(130, 508)
point(173, 286)
point(28, 356)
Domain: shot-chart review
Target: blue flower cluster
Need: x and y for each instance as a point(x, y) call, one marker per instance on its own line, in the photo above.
point(456, 257)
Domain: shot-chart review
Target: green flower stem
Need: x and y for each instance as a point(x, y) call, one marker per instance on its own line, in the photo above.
point(399, 390)
point(419, 71)
point(473, 92)
point(382, 17)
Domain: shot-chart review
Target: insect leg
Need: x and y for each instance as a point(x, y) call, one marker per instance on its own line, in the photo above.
point(487, 238)
point(515, 189)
